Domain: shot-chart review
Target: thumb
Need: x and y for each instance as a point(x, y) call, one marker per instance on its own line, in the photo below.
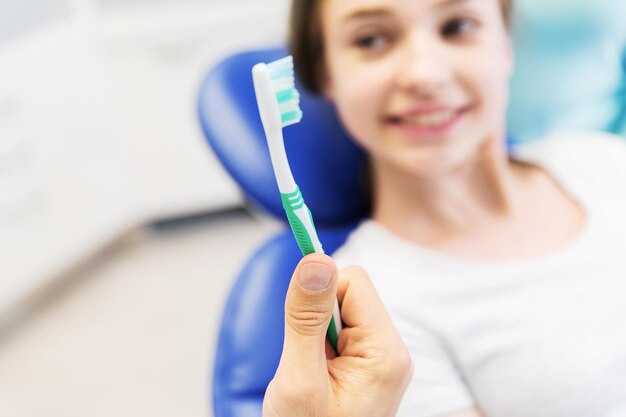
point(309, 307)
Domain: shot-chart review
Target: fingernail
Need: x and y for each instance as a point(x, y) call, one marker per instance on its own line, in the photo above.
point(315, 277)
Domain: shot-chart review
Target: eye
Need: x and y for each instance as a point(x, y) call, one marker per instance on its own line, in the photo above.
point(459, 27)
point(371, 42)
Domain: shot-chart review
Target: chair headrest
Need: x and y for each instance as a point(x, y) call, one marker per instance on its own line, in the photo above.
point(326, 164)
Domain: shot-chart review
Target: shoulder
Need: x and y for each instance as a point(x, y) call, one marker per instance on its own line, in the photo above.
point(592, 155)
point(587, 143)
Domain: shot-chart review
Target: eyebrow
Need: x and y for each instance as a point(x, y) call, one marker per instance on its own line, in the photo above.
point(383, 12)
point(366, 13)
point(445, 3)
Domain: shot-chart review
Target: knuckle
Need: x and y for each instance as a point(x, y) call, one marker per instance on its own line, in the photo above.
point(397, 368)
point(290, 394)
point(307, 321)
point(299, 393)
point(402, 368)
point(356, 271)
point(406, 363)
point(356, 274)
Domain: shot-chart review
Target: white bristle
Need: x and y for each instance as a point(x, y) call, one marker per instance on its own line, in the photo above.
point(282, 78)
point(291, 105)
point(283, 84)
point(281, 64)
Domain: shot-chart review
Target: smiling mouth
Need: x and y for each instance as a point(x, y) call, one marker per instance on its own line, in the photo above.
point(428, 125)
point(427, 120)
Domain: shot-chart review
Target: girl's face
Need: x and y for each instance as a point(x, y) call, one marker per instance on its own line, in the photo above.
point(422, 85)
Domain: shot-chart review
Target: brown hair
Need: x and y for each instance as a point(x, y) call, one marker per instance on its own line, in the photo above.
point(307, 47)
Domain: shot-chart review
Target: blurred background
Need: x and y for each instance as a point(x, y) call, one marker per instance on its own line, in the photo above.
point(120, 234)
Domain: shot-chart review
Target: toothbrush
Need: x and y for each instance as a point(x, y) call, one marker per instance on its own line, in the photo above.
point(279, 107)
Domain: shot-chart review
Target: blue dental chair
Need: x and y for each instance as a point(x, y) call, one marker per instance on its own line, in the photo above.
point(327, 167)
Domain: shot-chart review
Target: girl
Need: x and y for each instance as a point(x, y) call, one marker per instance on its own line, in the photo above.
point(503, 271)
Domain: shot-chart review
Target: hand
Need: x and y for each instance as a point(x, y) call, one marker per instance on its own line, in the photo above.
point(373, 368)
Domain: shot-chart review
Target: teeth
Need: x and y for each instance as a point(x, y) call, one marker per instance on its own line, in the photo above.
point(429, 120)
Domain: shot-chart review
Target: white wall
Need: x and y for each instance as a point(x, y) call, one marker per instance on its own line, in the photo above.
point(98, 129)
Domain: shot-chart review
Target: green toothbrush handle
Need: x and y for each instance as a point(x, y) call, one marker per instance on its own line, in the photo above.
point(301, 222)
point(333, 333)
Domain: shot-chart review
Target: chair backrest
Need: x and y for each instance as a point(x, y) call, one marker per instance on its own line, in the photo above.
point(326, 164)
point(328, 168)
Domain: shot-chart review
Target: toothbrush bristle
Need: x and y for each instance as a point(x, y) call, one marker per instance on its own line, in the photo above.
point(287, 97)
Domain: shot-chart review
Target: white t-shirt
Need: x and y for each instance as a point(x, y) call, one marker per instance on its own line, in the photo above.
point(542, 337)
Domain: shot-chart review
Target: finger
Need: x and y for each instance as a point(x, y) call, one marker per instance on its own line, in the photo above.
point(369, 332)
point(368, 326)
point(360, 303)
point(308, 308)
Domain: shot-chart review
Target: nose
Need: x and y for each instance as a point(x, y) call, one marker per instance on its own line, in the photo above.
point(424, 70)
